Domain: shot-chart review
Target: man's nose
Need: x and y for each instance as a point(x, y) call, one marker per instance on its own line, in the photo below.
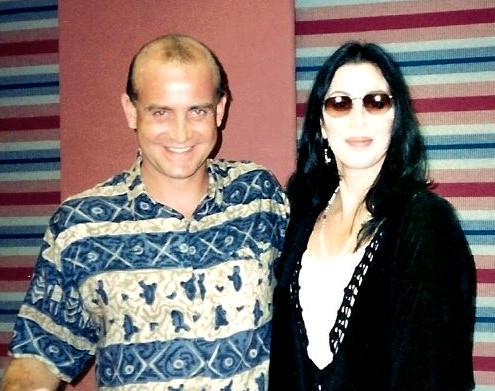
point(180, 131)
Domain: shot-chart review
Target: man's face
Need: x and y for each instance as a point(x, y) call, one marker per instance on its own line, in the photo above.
point(176, 116)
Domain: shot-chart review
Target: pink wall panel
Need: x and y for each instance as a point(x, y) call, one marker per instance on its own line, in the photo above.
point(254, 40)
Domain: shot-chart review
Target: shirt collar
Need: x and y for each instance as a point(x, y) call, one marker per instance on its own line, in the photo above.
point(137, 193)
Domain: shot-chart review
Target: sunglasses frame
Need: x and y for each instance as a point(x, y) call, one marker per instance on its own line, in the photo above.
point(367, 106)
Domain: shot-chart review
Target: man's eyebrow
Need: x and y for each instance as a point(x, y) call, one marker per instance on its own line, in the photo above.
point(205, 106)
point(154, 107)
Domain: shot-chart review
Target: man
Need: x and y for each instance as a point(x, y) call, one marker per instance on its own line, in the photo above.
point(164, 272)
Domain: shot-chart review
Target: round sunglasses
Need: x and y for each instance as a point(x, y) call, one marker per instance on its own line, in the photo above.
point(374, 103)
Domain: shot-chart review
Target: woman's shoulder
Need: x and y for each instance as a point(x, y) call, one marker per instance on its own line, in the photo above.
point(428, 214)
point(428, 204)
point(422, 212)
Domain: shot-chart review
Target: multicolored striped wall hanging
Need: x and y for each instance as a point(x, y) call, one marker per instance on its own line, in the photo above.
point(29, 145)
point(446, 49)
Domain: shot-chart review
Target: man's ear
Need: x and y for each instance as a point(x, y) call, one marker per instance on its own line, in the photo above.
point(221, 110)
point(130, 111)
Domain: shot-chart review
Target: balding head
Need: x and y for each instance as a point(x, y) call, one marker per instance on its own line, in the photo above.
point(178, 49)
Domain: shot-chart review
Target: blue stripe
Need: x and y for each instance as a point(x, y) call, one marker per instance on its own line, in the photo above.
point(484, 319)
point(30, 230)
point(30, 161)
point(26, 242)
point(10, 305)
point(27, 15)
point(27, 167)
point(484, 327)
point(457, 54)
point(461, 154)
point(413, 59)
point(8, 318)
point(468, 68)
point(478, 224)
point(25, 10)
point(28, 78)
point(480, 232)
point(444, 61)
point(7, 87)
point(480, 240)
point(468, 65)
point(459, 146)
point(313, 64)
point(26, 4)
point(304, 75)
point(163, 352)
point(485, 311)
point(34, 91)
point(28, 155)
point(13, 87)
point(461, 138)
point(12, 237)
point(423, 57)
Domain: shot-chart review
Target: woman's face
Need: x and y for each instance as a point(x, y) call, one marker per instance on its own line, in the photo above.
point(359, 137)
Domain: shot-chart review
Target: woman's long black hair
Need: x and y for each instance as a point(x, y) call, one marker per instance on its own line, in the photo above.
point(404, 169)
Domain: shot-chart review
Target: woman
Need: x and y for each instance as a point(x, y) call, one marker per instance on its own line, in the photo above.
point(376, 283)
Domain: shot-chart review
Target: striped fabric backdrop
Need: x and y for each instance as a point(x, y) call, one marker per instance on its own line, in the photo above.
point(447, 51)
point(29, 145)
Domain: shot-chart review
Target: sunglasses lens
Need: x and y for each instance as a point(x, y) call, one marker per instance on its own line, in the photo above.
point(338, 105)
point(377, 103)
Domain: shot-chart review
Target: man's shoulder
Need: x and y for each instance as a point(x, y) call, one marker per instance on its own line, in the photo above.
point(245, 182)
point(116, 185)
point(239, 170)
point(103, 202)
point(242, 165)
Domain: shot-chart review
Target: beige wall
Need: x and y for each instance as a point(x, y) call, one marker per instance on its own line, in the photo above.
point(254, 41)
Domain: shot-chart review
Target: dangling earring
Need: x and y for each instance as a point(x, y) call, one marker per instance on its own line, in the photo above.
point(328, 159)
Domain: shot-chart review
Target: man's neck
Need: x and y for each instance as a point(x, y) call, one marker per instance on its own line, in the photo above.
point(183, 195)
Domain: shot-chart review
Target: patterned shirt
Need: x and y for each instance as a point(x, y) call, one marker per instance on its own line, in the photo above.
point(162, 301)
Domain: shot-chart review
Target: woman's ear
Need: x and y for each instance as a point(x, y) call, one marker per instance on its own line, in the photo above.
point(323, 131)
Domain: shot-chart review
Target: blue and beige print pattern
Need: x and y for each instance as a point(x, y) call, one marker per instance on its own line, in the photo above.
point(163, 302)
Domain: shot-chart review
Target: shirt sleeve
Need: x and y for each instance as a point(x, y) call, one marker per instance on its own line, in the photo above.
point(433, 295)
point(52, 324)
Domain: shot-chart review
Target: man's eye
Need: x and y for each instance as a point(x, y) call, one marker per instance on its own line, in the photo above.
point(159, 113)
point(200, 112)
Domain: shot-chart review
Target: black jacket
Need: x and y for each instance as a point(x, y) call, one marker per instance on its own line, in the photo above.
point(412, 321)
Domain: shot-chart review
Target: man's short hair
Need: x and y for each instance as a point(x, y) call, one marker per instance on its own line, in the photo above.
point(180, 49)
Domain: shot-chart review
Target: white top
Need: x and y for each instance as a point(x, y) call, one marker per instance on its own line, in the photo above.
point(322, 282)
